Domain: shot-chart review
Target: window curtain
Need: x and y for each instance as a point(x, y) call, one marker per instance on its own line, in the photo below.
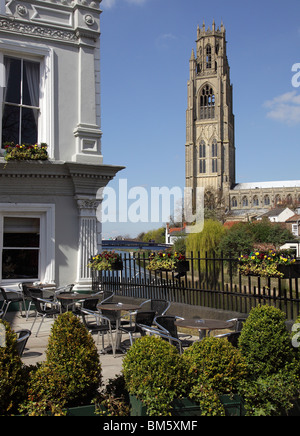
point(7, 64)
point(32, 71)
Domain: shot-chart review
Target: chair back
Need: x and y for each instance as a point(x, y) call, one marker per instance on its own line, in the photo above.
point(239, 323)
point(145, 318)
point(38, 305)
point(66, 303)
point(107, 296)
point(167, 323)
point(3, 294)
point(23, 336)
point(112, 315)
point(159, 306)
point(90, 304)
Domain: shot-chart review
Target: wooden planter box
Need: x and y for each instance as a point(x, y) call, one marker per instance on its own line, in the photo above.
point(234, 406)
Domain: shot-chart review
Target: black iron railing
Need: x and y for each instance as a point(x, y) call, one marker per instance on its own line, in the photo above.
point(211, 282)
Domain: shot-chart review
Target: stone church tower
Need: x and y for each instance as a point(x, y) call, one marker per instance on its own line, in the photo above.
point(210, 148)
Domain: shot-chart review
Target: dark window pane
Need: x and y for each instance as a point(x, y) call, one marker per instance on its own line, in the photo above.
point(29, 126)
point(10, 124)
point(20, 264)
point(13, 90)
point(29, 240)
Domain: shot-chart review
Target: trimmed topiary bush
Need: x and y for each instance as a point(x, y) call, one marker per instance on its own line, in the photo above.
point(71, 374)
point(215, 362)
point(155, 373)
point(12, 380)
point(265, 342)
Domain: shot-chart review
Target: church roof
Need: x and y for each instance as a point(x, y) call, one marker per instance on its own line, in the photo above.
point(268, 185)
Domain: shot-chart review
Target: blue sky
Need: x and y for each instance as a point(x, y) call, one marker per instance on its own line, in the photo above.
point(145, 51)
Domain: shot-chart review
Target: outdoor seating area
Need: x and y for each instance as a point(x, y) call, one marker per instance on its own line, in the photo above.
point(102, 313)
point(170, 347)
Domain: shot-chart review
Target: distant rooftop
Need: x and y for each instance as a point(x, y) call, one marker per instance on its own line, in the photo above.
point(264, 185)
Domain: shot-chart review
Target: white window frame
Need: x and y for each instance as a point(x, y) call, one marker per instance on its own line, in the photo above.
point(44, 55)
point(46, 214)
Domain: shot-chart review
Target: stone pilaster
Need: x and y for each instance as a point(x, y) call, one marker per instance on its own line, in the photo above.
point(89, 240)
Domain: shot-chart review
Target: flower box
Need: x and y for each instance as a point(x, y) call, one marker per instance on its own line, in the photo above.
point(167, 261)
point(271, 263)
point(233, 404)
point(25, 152)
point(106, 261)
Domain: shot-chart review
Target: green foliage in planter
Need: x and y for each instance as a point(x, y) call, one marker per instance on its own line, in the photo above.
point(12, 380)
point(269, 396)
point(71, 373)
point(155, 373)
point(208, 400)
point(114, 399)
point(216, 363)
point(265, 341)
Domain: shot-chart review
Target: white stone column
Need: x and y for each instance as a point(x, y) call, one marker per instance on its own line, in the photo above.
point(89, 240)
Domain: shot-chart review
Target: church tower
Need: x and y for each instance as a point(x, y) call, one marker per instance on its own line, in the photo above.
point(210, 149)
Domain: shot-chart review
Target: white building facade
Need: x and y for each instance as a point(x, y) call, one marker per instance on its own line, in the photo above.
point(50, 93)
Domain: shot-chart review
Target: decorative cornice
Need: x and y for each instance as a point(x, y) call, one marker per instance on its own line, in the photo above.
point(12, 25)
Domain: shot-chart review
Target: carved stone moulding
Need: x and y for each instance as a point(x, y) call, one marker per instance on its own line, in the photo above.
point(95, 4)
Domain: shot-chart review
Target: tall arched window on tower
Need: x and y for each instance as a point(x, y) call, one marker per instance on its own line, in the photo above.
point(207, 103)
point(208, 56)
point(202, 157)
point(214, 155)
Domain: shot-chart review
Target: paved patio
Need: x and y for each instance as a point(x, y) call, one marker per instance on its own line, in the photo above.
point(36, 346)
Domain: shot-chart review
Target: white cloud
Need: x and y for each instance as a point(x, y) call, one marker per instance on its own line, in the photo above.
point(108, 4)
point(164, 40)
point(285, 108)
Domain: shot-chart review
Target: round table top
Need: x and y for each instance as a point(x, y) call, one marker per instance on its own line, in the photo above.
point(118, 306)
point(73, 296)
point(204, 324)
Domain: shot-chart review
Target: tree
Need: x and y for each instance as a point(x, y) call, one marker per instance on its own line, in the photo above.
point(157, 235)
point(243, 237)
point(208, 240)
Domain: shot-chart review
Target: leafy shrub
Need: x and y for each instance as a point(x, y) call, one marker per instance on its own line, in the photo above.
point(269, 396)
point(71, 373)
point(265, 341)
point(12, 380)
point(215, 362)
point(155, 373)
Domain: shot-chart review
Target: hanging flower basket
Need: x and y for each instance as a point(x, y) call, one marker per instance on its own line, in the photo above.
point(25, 151)
point(271, 263)
point(167, 261)
point(106, 261)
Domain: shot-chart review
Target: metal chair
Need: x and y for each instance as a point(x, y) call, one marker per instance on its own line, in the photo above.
point(160, 307)
point(23, 336)
point(28, 294)
point(100, 324)
point(167, 324)
point(9, 297)
point(143, 318)
point(232, 337)
point(45, 309)
point(239, 322)
point(164, 335)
